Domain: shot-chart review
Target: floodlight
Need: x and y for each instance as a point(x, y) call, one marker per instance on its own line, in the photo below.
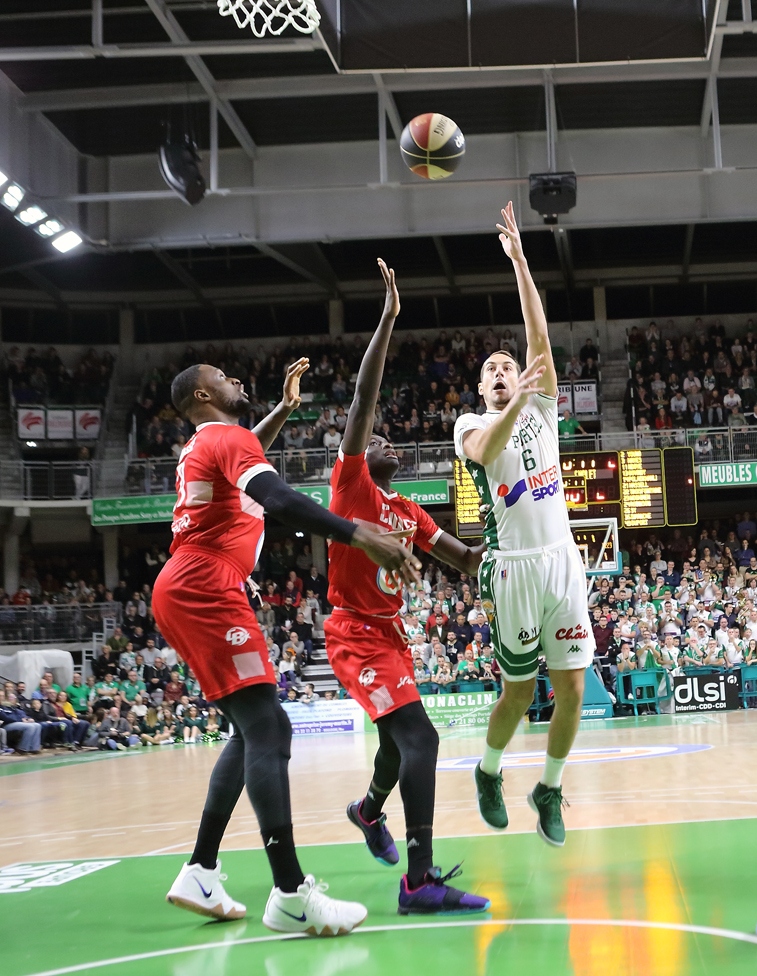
point(67, 241)
point(3, 178)
point(31, 215)
point(13, 197)
point(50, 228)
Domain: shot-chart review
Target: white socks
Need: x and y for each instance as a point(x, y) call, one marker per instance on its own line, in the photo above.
point(552, 775)
point(553, 768)
point(491, 760)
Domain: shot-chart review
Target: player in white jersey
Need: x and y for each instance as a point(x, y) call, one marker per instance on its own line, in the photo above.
point(532, 579)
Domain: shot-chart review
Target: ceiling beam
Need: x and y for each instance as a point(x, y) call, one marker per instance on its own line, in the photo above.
point(715, 63)
point(306, 260)
point(389, 106)
point(446, 264)
point(313, 86)
point(199, 69)
point(687, 247)
point(86, 52)
point(470, 284)
point(179, 271)
point(44, 284)
point(565, 256)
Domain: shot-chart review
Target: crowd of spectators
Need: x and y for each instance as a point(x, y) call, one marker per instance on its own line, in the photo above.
point(57, 599)
point(685, 601)
point(682, 602)
point(700, 379)
point(41, 377)
point(427, 384)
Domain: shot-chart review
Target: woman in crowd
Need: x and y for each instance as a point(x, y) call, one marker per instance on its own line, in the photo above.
point(192, 725)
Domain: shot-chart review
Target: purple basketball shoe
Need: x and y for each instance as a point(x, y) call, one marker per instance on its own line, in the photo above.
point(380, 842)
point(436, 897)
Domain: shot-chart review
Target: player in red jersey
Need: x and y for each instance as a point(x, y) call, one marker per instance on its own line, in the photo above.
point(367, 646)
point(224, 485)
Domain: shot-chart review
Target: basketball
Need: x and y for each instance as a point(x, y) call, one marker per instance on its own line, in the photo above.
point(432, 146)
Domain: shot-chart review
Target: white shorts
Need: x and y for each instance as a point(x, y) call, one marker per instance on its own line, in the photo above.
point(536, 603)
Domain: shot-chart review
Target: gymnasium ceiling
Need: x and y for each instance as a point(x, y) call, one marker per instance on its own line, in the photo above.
point(108, 87)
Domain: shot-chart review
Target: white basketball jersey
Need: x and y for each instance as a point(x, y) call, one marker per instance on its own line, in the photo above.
point(522, 489)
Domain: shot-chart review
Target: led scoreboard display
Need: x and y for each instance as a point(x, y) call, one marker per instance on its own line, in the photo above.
point(639, 488)
point(646, 487)
point(467, 504)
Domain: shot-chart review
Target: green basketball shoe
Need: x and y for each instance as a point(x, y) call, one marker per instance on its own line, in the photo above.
point(491, 804)
point(548, 802)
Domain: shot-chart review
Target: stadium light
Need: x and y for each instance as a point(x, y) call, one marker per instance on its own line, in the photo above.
point(31, 215)
point(13, 197)
point(67, 241)
point(50, 228)
point(3, 178)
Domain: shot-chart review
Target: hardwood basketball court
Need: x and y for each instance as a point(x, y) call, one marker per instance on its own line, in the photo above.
point(656, 876)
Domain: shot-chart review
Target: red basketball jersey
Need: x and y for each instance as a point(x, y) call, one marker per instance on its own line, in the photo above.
point(212, 509)
point(355, 582)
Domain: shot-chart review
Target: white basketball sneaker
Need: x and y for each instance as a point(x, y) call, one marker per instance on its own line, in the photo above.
point(310, 910)
point(199, 890)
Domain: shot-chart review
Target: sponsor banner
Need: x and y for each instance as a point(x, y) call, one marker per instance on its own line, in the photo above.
point(128, 511)
point(321, 494)
point(434, 491)
point(585, 398)
point(31, 423)
point(60, 425)
point(24, 877)
point(707, 692)
point(577, 757)
point(726, 475)
point(465, 709)
point(88, 424)
point(564, 397)
point(341, 715)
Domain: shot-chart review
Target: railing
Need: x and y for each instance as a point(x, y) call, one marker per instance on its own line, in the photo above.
point(46, 624)
point(156, 476)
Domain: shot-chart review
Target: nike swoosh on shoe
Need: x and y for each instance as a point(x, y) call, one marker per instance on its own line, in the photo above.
point(297, 918)
point(206, 893)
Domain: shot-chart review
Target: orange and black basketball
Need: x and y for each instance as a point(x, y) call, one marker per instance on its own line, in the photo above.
point(432, 146)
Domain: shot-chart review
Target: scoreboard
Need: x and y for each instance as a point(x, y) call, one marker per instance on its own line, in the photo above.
point(641, 488)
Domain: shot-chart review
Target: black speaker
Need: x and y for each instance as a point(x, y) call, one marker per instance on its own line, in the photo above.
point(180, 167)
point(551, 194)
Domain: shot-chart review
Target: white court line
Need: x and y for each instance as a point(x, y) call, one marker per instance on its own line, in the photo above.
point(472, 923)
point(167, 852)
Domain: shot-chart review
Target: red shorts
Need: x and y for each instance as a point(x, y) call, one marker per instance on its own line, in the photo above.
point(370, 657)
point(201, 607)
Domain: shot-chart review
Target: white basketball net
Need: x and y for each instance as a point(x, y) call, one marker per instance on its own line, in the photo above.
point(272, 16)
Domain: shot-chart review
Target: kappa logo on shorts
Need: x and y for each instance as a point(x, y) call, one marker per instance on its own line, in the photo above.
point(572, 633)
point(405, 680)
point(366, 677)
point(575, 649)
point(237, 636)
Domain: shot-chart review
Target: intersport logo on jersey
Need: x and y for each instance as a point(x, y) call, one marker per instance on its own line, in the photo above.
point(541, 485)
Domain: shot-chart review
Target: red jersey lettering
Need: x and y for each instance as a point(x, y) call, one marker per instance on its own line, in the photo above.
point(212, 509)
point(355, 582)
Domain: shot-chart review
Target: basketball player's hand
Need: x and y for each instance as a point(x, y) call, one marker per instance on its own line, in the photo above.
point(509, 234)
point(529, 382)
point(392, 303)
point(387, 550)
point(291, 398)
